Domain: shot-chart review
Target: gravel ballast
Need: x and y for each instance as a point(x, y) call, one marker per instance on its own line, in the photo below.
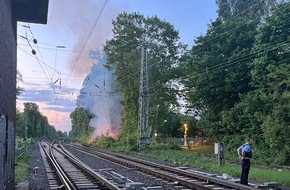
point(37, 176)
point(38, 179)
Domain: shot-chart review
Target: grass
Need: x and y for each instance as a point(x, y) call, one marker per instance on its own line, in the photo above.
point(21, 169)
point(199, 158)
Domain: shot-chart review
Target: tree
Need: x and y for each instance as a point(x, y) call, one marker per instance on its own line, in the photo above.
point(80, 119)
point(19, 78)
point(32, 116)
point(20, 124)
point(247, 9)
point(168, 124)
point(217, 70)
point(263, 113)
point(130, 31)
point(218, 66)
point(32, 124)
point(51, 132)
point(270, 73)
point(41, 126)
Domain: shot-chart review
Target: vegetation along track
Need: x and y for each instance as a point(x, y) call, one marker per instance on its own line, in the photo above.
point(182, 177)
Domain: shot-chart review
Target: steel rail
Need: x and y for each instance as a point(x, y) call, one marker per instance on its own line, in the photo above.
point(59, 172)
point(87, 169)
point(99, 182)
point(190, 183)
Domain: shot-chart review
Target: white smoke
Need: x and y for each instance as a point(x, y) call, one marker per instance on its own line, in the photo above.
point(100, 96)
point(87, 24)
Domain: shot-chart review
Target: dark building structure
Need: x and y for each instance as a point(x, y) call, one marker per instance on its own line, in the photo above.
point(11, 11)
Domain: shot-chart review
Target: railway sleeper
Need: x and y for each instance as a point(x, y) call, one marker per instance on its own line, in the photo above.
point(57, 187)
point(268, 185)
point(87, 186)
point(134, 185)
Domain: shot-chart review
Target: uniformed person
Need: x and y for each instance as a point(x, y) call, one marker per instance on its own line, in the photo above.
point(245, 154)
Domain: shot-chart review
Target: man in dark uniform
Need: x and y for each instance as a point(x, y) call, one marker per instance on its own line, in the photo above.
point(245, 153)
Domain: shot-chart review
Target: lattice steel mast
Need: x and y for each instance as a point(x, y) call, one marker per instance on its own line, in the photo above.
point(143, 136)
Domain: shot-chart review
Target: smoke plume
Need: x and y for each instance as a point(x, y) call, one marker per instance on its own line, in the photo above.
point(89, 23)
point(101, 97)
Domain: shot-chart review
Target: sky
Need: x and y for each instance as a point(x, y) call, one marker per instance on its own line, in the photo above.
point(54, 76)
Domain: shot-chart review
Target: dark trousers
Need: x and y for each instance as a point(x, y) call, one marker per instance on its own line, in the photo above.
point(245, 171)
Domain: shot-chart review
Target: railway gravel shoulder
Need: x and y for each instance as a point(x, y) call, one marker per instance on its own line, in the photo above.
point(131, 174)
point(37, 174)
point(38, 179)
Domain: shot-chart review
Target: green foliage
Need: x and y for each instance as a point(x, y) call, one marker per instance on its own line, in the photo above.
point(20, 123)
point(32, 117)
point(237, 77)
point(171, 144)
point(270, 77)
point(199, 161)
point(87, 137)
point(19, 78)
point(123, 52)
point(167, 123)
point(32, 124)
point(80, 119)
point(22, 167)
point(248, 9)
point(129, 141)
point(103, 141)
point(216, 76)
point(128, 145)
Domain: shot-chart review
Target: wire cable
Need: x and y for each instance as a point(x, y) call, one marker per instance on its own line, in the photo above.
point(137, 72)
point(49, 65)
point(231, 18)
point(237, 60)
point(85, 43)
point(35, 41)
point(40, 65)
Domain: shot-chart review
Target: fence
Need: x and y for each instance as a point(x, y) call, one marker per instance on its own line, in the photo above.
point(21, 147)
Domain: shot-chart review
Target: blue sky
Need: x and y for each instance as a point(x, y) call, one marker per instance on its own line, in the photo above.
point(55, 75)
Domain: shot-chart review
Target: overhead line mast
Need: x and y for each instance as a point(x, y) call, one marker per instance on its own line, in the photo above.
point(143, 136)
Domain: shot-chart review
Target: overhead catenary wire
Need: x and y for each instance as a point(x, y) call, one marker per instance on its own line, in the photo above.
point(93, 83)
point(137, 72)
point(51, 77)
point(216, 67)
point(35, 42)
point(233, 61)
point(84, 46)
point(50, 82)
point(53, 49)
point(55, 59)
point(237, 60)
point(85, 42)
point(220, 66)
point(26, 26)
point(49, 65)
point(257, 3)
point(219, 25)
point(38, 61)
point(231, 18)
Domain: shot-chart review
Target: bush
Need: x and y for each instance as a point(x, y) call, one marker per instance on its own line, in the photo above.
point(21, 168)
point(103, 141)
point(169, 145)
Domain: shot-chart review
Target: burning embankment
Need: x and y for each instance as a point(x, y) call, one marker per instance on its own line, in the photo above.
point(100, 96)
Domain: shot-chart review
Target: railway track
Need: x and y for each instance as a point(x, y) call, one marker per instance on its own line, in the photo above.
point(178, 177)
point(64, 171)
